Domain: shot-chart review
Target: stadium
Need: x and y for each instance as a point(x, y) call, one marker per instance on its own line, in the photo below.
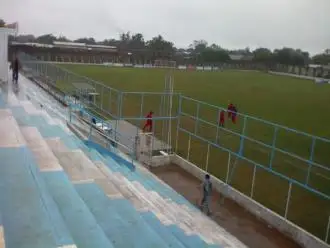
point(87, 104)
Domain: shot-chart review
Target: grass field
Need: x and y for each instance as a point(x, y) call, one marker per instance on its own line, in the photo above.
point(296, 103)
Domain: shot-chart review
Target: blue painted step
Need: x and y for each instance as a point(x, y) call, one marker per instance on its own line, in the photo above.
point(117, 164)
point(60, 231)
point(83, 227)
point(55, 131)
point(24, 217)
point(163, 232)
point(119, 219)
point(148, 181)
point(192, 241)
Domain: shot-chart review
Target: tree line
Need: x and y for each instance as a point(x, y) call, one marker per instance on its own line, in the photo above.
point(199, 51)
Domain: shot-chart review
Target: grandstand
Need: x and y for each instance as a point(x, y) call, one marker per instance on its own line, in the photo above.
point(59, 191)
point(80, 195)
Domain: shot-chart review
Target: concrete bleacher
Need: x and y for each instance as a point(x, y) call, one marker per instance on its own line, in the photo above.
point(56, 191)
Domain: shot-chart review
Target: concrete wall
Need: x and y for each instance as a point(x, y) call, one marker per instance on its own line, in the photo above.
point(161, 160)
point(286, 227)
point(298, 76)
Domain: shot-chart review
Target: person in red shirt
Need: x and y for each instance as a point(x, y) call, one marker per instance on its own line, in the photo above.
point(234, 115)
point(148, 123)
point(230, 109)
point(222, 118)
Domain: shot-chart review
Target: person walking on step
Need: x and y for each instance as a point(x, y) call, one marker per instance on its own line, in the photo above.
point(14, 66)
point(207, 190)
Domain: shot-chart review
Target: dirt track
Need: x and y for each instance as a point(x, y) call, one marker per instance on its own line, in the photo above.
point(229, 215)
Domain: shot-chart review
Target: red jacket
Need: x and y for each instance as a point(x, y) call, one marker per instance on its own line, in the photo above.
point(230, 107)
point(222, 115)
point(149, 117)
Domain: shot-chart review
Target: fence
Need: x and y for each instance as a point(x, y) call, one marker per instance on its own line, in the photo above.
point(284, 169)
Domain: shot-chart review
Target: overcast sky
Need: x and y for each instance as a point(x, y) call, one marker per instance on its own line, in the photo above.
point(232, 24)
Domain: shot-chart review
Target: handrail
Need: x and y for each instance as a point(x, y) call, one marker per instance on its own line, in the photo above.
point(259, 165)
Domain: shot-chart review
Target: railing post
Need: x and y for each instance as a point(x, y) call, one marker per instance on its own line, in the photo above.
point(118, 112)
point(288, 201)
point(70, 114)
point(228, 167)
point(207, 157)
point(101, 97)
point(188, 154)
point(217, 134)
point(197, 116)
point(327, 231)
point(141, 107)
point(110, 102)
point(178, 124)
point(91, 129)
point(273, 147)
point(241, 146)
point(311, 158)
point(253, 181)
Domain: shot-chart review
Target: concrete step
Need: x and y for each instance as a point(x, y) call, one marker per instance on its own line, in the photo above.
point(190, 217)
point(82, 173)
point(47, 162)
point(24, 217)
point(116, 189)
point(179, 229)
point(80, 221)
point(2, 234)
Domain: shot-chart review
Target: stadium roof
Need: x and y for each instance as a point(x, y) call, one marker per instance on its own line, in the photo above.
point(67, 45)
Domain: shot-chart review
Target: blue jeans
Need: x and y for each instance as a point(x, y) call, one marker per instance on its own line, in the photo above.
point(206, 202)
point(15, 76)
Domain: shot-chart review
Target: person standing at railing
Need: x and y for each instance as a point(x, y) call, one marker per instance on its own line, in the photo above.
point(207, 191)
point(222, 118)
point(148, 123)
point(230, 109)
point(234, 114)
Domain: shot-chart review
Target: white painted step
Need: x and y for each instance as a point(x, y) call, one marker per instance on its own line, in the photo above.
point(79, 220)
point(10, 134)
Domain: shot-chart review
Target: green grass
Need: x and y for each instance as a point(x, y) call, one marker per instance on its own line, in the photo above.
point(296, 103)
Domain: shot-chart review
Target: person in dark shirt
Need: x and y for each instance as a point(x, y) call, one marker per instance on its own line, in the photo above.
point(15, 65)
point(207, 190)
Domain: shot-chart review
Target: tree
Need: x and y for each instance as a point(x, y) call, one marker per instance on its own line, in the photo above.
point(46, 39)
point(198, 46)
point(263, 55)
point(160, 48)
point(125, 39)
point(212, 56)
point(90, 41)
point(110, 42)
point(290, 56)
point(321, 59)
point(63, 38)
point(137, 41)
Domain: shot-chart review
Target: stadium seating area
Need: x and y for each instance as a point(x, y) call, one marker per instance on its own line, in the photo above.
point(58, 192)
